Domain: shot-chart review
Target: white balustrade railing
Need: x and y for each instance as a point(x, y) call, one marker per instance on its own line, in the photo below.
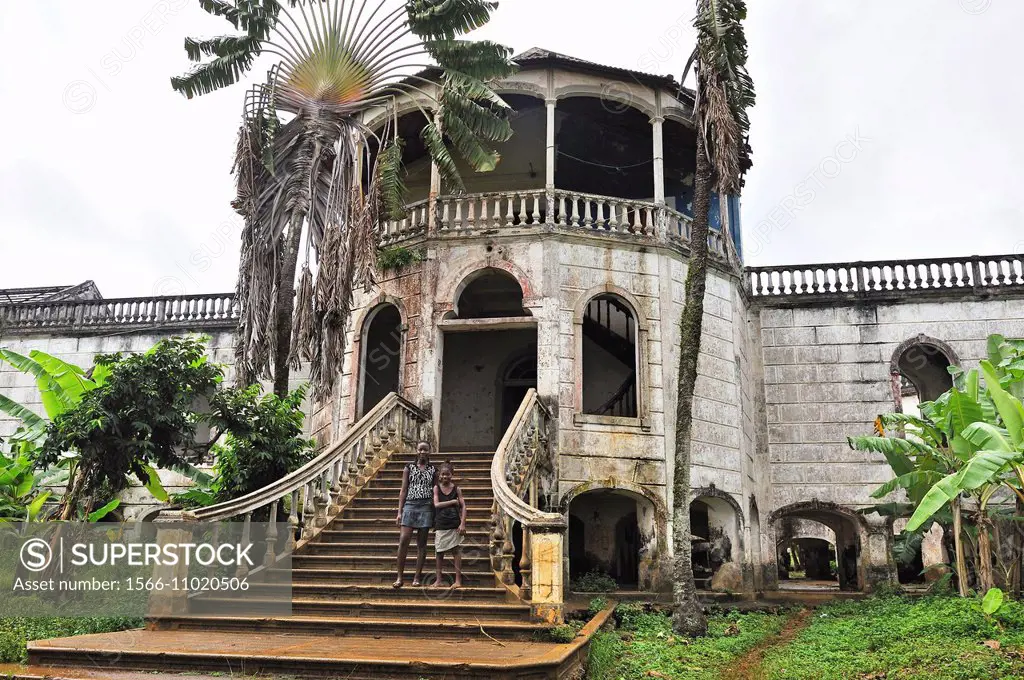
point(937, 275)
point(193, 310)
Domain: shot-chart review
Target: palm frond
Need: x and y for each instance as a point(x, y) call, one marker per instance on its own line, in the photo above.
point(445, 19)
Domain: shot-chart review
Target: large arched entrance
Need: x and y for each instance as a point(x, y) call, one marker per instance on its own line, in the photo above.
point(490, 360)
point(920, 372)
point(613, 532)
point(381, 356)
point(803, 531)
point(715, 528)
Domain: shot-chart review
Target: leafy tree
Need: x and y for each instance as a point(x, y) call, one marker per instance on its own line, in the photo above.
point(263, 440)
point(307, 164)
point(724, 92)
point(142, 417)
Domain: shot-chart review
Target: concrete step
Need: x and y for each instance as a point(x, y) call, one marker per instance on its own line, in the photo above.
point(478, 576)
point(390, 501)
point(202, 655)
point(386, 521)
point(478, 546)
point(391, 491)
point(349, 591)
point(385, 562)
point(421, 609)
point(385, 536)
point(385, 513)
point(399, 629)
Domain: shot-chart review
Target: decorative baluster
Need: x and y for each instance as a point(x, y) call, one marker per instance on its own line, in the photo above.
point(535, 215)
point(613, 216)
point(483, 213)
point(574, 220)
point(269, 555)
point(1007, 269)
point(335, 486)
point(496, 219)
point(588, 220)
point(497, 537)
point(323, 499)
point(561, 210)
point(526, 565)
point(293, 521)
point(470, 213)
point(637, 227)
point(510, 211)
point(243, 570)
point(508, 552)
point(599, 220)
point(308, 510)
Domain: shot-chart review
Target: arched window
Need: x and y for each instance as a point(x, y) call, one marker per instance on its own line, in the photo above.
point(381, 360)
point(921, 366)
point(491, 293)
point(610, 358)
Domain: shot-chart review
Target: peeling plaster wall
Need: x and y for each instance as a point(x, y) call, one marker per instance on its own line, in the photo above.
point(826, 372)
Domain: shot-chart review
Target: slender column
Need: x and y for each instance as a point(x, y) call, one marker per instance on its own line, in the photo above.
point(435, 187)
point(549, 164)
point(657, 125)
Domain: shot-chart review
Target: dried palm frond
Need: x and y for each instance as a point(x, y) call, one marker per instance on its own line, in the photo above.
point(303, 149)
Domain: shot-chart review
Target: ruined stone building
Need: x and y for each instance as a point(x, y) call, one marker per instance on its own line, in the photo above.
point(561, 274)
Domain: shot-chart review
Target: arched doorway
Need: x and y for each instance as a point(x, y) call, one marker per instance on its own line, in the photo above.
point(381, 360)
point(715, 526)
point(808, 532)
point(612, 532)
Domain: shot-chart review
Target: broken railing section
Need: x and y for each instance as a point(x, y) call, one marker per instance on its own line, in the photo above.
point(515, 480)
point(470, 214)
point(934, 276)
point(194, 311)
point(318, 491)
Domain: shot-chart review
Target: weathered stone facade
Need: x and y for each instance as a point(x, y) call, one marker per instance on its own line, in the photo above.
point(507, 294)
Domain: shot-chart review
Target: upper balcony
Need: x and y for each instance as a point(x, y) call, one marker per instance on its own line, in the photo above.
point(595, 150)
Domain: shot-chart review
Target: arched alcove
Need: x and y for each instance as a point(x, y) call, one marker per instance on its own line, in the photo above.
point(920, 372)
point(490, 293)
point(380, 356)
point(846, 529)
point(715, 529)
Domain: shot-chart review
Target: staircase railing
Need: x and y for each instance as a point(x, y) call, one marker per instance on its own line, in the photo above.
point(623, 402)
point(321, 488)
point(514, 478)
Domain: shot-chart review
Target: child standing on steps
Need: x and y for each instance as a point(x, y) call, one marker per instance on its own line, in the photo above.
point(449, 521)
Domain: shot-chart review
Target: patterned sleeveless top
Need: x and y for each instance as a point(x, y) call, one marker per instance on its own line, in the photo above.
point(421, 482)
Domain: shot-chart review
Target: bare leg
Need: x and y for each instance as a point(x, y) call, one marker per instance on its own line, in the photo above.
point(457, 556)
point(403, 549)
point(421, 554)
point(439, 559)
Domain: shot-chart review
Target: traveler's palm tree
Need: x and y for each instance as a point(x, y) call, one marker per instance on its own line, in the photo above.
point(308, 168)
point(724, 92)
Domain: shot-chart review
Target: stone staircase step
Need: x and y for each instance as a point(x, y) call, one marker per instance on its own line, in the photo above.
point(390, 502)
point(470, 493)
point(332, 591)
point(383, 549)
point(422, 609)
point(383, 536)
point(131, 655)
point(469, 562)
point(480, 513)
point(386, 521)
point(320, 574)
point(397, 628)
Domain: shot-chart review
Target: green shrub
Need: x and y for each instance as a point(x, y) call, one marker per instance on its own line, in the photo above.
point(597, 606)
point(595, 581)
point(628, 614)
point(562, 634)
point(396, 258)
point(15, 632)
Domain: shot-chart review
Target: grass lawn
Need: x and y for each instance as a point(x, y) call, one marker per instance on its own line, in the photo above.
point(16, 632)
point(644, 647)
point(934, 638)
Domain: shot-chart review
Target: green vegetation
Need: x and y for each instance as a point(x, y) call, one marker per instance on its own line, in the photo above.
point(397, 257)
point(644, 646)
point(16, 632)
point(934, 638)
point(952, 461)
point(594, 582)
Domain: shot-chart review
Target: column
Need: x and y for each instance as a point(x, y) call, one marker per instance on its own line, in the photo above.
point(549, 162)
point(657, 124)
point(435, 187)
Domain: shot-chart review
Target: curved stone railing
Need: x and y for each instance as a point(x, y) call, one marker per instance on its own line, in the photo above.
point(470, 214)
point(937, 276)
point(321, 488)
point(192, 311)
point(515, 482)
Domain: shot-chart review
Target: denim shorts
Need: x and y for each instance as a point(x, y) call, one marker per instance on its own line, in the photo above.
point(418, 513)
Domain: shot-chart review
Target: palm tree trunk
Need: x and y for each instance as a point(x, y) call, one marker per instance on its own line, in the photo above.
point(286, 303)
point(958, 547)
point(688, 617)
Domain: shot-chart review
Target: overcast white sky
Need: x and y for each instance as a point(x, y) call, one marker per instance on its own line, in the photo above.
point(907, 114)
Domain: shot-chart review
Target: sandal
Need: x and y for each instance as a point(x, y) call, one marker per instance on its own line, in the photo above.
point(397, 584)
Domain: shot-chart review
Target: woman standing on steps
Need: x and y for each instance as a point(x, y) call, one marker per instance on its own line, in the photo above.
point(415, 511)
